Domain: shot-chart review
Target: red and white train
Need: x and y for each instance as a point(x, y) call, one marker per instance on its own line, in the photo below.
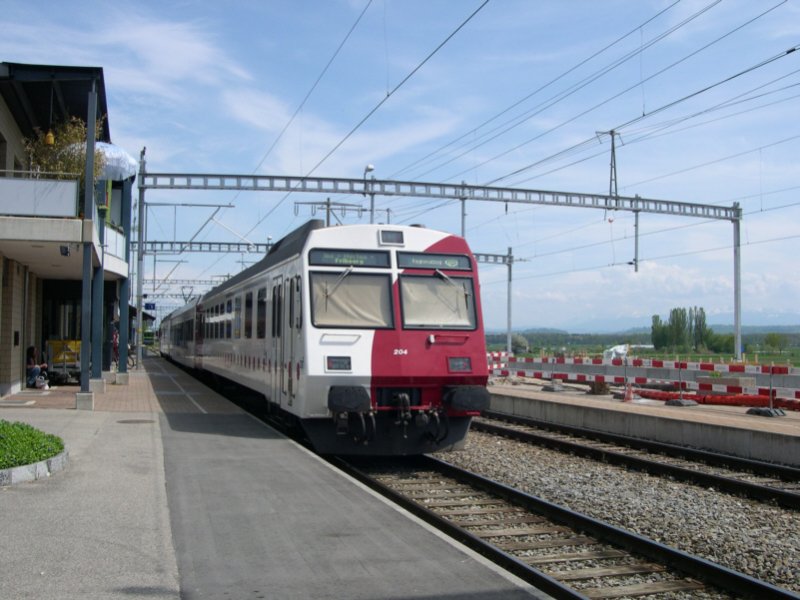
point(370, 337)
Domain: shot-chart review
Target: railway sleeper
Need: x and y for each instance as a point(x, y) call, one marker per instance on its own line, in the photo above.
point(641, 589)
point(610, 571)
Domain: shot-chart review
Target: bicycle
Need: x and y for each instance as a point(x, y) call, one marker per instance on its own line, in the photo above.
point(131, 355)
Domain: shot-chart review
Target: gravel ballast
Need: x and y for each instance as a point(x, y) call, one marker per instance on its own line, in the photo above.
point(757, 539)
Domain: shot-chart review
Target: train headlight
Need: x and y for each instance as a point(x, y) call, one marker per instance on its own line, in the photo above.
point(459, 364)
point(338, 363)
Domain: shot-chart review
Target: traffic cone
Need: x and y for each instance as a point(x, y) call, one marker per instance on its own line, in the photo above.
point(628, 393)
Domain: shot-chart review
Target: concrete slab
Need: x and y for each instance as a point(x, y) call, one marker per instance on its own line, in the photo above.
point(254, 514)
point(99, 529)
point(724, 429)
point(173, 492)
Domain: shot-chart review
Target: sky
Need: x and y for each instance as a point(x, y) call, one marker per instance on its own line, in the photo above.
point(703, 96)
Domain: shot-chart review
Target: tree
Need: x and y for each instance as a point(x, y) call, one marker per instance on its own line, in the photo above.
point(685, 329)
point(721, 343)
point(776, 341)
point(659, 336)
point(678, 327)
point(700, 330)
point(65, 157)
point(519, 344)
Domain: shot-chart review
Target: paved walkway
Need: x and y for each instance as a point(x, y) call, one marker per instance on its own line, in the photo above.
point(172, 492)
point(157, 386)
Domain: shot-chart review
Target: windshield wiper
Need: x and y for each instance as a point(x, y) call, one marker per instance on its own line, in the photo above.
point(338, 282)
point(460, 288)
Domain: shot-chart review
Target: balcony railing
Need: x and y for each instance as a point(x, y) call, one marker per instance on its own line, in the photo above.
point(22, 195)
point(26, 194)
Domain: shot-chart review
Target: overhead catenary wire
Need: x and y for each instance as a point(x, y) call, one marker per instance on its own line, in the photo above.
point(667, 128)
point(554, 100)
point(596, 267)
point(533, 257)
point(374, 109)
point(314, 85)
point(658, 110)
point(292, 118)
point(537, 90)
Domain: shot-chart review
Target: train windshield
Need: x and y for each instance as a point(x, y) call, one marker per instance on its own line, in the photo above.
point(437, 302)
point(347, 299)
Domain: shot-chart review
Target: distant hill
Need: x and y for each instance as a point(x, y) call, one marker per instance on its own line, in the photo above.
point(532, 330)
point(641, 330)
point(757, 329)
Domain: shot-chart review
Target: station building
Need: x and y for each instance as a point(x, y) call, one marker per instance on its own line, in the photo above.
point(64, 253)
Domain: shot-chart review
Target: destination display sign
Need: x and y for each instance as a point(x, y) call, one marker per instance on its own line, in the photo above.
point(348, 258)
point(413, 260)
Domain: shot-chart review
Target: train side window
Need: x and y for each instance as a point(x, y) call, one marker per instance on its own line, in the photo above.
point(237, 317)
point(291, 304)
point(277, 310)
point(261, 314)
point(248, 315)
point(299, 309)
point(213, 312)
point(229, 318)
point(274, 308)
point(216, 322)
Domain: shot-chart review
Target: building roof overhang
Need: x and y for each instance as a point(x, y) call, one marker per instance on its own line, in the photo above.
point(39, 96)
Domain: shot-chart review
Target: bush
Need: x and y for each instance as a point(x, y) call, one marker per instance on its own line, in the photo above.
point(21, 444)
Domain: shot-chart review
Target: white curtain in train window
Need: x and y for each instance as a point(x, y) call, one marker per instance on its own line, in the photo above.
point(351, 300)
point(431, 302)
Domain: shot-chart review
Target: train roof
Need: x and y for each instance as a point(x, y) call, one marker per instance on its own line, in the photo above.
point(189, 304)
point(286, 247)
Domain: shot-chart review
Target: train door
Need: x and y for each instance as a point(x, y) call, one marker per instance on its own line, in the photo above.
point(279, 368)
point(288, 356)
point(199, 336)
point(295, 326)
point(291, 343)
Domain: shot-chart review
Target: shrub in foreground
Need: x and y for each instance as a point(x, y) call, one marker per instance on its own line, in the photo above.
point(21, 444)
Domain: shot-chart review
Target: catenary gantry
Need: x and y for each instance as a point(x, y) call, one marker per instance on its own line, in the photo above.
point(334, 185)
point(462, 192)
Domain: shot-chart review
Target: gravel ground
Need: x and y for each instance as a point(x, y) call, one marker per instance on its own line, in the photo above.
point(751, 537)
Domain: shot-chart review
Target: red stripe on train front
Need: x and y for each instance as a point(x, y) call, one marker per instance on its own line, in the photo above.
point(407, 358)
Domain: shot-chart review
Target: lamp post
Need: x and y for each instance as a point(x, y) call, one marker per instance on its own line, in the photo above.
point(369, 169)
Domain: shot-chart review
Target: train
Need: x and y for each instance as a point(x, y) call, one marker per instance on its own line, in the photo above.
point(368, 337)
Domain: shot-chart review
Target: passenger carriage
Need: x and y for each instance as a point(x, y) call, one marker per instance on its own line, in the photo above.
point(370, 336)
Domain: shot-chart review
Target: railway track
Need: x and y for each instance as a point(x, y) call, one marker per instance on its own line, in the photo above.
point(754, 479)
point(557, 550)
point(562, 552)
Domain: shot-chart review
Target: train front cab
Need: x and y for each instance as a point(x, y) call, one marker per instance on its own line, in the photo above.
point(414, 372)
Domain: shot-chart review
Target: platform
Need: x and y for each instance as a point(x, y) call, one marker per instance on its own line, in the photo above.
point(725, 429)
point(173, 492)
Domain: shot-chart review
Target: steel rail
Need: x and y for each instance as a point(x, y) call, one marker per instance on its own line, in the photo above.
point(737, 486)
point(508, 562)
point(728, 484)
point(700, 568)
point(694, 566)
point(724, 460)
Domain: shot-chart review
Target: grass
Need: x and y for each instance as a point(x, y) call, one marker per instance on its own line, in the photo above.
point(21, 444)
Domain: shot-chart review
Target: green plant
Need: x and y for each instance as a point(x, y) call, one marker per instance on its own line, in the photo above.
point(65, 157)
point(22, 444)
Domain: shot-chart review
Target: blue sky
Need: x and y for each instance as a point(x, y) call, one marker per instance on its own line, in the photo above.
point(703, 94)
